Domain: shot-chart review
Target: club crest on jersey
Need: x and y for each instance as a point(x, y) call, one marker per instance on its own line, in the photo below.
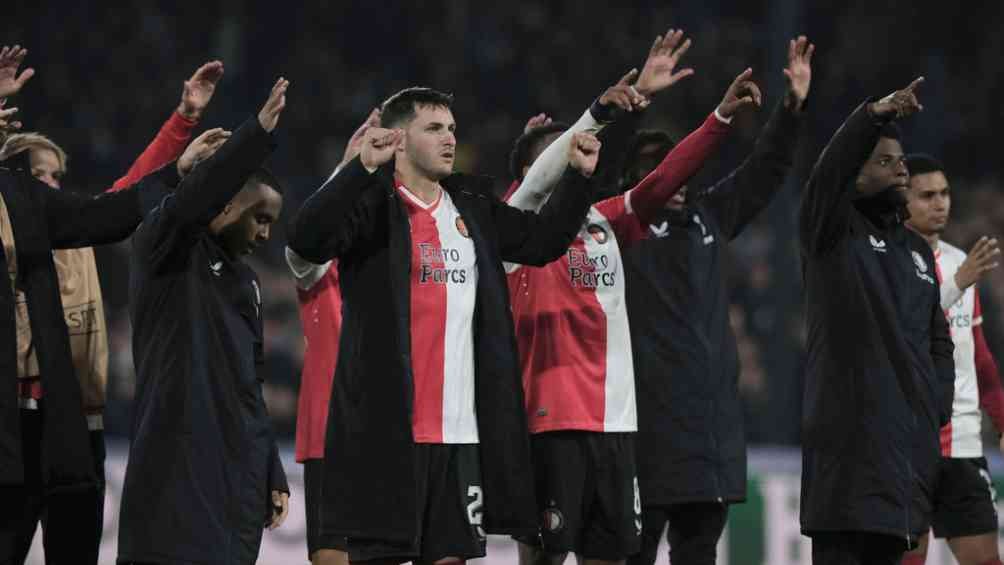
point(462, 227)
point(599, 234)
point(919, 260)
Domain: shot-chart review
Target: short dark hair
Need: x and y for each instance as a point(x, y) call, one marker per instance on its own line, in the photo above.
point(922, 163)
point(891, 131)
point(641, 139)
point(527, 143)
point(401, 106)
point(263, 175)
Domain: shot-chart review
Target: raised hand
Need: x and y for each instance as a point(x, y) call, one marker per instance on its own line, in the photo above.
point(269, 115)
point(198, 90)
point(657, 74)
point(355, 143)
point(583, 153)
point(982, 257)
point(379, 145)
point(7, 124)
point(899, 104)
point(201, 148)
point(536, 121)
point(742, 93)
point(10, 60)
point(799, 71)
point(623, 95)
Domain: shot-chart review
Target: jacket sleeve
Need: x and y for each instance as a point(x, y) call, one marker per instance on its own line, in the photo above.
point(651, 194)
point(182, 216)
point(535, 239)
point(167, 146)
point(942, 352)
point(826, 202)
point(276, 474)
point(735, 200)
point(336, 216)
point(78, 220)
point(546, 171)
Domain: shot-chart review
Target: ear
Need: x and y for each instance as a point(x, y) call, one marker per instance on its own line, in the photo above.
point(526, 169)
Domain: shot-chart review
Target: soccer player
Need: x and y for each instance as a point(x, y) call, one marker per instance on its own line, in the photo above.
point(73, 521)
point(879, 371)
point(964, 510)
point(426, 428)
point(48, 450)
point(575, 345)
point(204, 476)
point(691, 440)
point(320, 302)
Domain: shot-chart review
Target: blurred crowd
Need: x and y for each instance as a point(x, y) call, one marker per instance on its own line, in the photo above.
point(108, 77)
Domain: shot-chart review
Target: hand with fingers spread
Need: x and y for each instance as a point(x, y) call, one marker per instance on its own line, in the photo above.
point(198, 90)
point(10, 59)
point(280, 509)
point(379, 145)
point(7, 124)
point(622, 95)
point(742, 93)
point(268, 117)
point(799, 72)
point(983, 257)
point(665, 54)
point(536, 121)
point(583, 153)
point(355, 143)
point(201, 149)
point(899, 104)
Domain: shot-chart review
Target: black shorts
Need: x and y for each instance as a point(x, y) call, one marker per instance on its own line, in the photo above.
point(450, 502)
point(313, 475)
point(964, 499)
point(587, 494)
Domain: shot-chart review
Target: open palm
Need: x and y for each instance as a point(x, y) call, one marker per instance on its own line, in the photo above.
point(10, 60)
point(799, 71)
point(665, 54)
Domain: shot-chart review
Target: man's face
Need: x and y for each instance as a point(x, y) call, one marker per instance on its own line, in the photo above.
point(45, 166)
point(885, 168)
point(648, 158)
point(929, 201)
point(246, 223)
point(429, 141)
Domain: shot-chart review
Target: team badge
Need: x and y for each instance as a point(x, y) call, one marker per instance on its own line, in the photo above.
point(599, 234)
point(919, 260)
point(554, 521)
point(462, 227)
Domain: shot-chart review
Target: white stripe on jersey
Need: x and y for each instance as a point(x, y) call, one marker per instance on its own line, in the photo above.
point(966, 416)
point(459, 419)
point(619, 411)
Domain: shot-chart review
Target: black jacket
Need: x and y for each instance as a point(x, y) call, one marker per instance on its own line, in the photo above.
point(43, 219)
point(203, 457)
point(879, 374)
point(691, 443)
point(369, 463)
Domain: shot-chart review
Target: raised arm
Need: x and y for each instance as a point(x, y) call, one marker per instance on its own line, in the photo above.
point(535, 239)
point(826, 202)
point(176, 132)
point(347, 206)
point(10, 60)
point(982, 258)
point(735, 200)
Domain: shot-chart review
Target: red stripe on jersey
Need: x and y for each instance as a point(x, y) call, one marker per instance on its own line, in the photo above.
point(321, 318)
point(946, 440)
point(428, 322)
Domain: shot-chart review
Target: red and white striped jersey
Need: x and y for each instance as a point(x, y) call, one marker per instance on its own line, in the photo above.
point(443, 292)
point(572, 328)
point(961, 437)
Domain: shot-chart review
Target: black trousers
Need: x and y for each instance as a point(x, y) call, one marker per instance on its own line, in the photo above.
point(71, 523)
point(694, 529)
point(857, 548)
